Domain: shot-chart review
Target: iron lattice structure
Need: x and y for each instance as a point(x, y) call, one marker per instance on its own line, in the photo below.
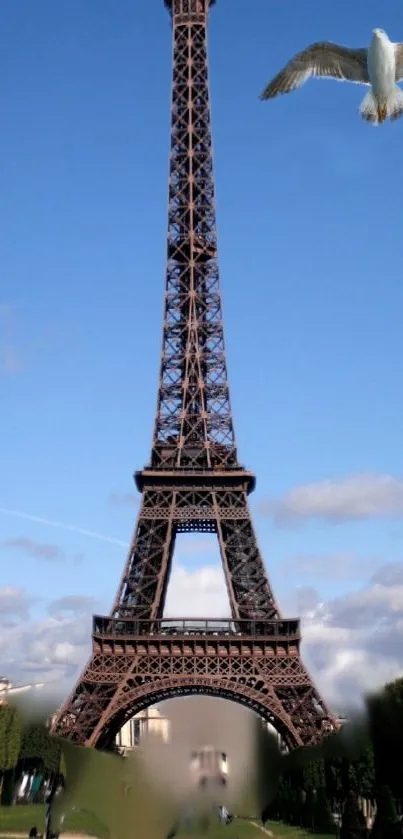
point(193, 482)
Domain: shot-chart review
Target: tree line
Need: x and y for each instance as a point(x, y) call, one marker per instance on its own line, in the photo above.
point(327, 789)
point(25, 746)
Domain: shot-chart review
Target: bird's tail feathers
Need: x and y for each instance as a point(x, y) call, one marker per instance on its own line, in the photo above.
point(373, 111)
point(395, 104)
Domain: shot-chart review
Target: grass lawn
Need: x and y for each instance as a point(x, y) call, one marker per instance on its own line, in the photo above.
point(285, 830)
point(21, 818)
point(245, 830)
point(236, 830)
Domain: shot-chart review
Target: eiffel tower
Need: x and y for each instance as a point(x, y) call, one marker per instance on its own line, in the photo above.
point(193, 482)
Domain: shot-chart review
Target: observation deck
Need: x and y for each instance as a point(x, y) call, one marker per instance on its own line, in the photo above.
point(201, 478)
point(194, 4)
point(132, 628)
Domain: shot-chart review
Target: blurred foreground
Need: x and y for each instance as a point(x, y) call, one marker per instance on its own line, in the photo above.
point(153, 791)
point(219, 755)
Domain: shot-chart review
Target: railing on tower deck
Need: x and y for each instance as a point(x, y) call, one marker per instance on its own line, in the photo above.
point(136, 627)
point(201, 470)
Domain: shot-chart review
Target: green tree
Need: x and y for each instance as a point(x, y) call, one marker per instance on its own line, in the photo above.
point(365, 773)
point(323, 819)
point(10, 737)
point(313, 774)
point(2, 736)
point(351, 823)
point(386, 814)
point(10, 740)
point(308, 810)
point(295, 807)
point(39, 746)
point(333, 779)
point(352, 779)
point(385, 714)
point(285, 804)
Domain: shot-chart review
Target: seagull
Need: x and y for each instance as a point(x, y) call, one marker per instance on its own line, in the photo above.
point(380, 66)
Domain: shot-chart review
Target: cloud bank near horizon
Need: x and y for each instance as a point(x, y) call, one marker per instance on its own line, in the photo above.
point(351, 645)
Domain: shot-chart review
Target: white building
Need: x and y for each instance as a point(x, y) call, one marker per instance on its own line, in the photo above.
point(145, 723)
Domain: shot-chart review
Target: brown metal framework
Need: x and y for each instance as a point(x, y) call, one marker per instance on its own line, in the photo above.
point(193, 482)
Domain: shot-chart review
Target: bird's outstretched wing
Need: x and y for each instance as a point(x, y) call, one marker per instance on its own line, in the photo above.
point(399, 62)
point(320, 59)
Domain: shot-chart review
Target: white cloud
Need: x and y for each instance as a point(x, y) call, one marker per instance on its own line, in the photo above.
point(198, 593)
point(39, 550)
point(331, 567)
point(72, 605)
point(51, 651)
point(351, 644)
point(354, 643)
point(14, 602)
point(358, 497)
point(191, 546)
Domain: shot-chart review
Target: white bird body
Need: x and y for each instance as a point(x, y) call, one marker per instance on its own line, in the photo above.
point(380, 67)
point(385, 98)
point(381, 64)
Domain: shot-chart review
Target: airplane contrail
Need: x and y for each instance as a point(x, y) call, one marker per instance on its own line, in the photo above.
point(38, 520)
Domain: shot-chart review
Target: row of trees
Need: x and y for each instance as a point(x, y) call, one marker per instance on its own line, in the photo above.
point(323, 788)
point(305, 799)
point(24, 746)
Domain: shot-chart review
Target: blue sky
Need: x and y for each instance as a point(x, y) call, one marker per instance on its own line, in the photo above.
point(309, 218)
